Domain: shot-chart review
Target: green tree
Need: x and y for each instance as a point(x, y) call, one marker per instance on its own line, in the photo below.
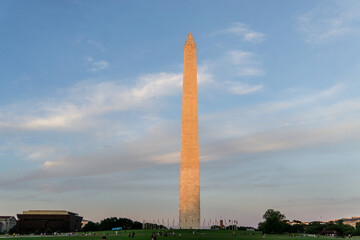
point(91, 226)
point(339, 227)
point(357, 226)
point(314, 228)
point(298, 228)
point(357, 229)
point(137, 225)
point(113, 222)
point(274, 222)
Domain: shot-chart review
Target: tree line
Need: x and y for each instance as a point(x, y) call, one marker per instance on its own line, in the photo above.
point(275, 222)
point(110, 223)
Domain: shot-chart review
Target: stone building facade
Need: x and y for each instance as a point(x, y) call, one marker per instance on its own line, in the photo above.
point(41, 221)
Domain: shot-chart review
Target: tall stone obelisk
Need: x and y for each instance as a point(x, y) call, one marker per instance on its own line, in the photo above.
point(189, 211)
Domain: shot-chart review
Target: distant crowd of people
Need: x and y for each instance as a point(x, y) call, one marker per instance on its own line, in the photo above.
point(154, 235)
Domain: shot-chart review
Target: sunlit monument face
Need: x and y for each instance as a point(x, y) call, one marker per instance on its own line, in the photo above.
point(189, 212)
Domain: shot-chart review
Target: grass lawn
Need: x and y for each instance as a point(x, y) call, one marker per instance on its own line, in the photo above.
point(185, 235)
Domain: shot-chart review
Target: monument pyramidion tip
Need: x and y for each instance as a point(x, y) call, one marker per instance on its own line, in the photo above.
point(190, 40)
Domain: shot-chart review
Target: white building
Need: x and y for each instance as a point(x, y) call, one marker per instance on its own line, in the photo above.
point(7, 223)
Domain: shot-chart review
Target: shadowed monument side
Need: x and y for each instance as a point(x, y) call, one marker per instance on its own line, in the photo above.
point(189, 210)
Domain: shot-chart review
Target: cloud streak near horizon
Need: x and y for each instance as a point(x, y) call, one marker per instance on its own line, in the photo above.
point(236, 137)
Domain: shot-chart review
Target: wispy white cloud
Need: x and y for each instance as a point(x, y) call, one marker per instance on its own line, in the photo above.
point(242, 88)
point(36, 152)
point(96, 66)
point(244, 31)
point(282, 140)
point(100, 65)
point(56, 117)
point(96, 44)
point(251, 132)
point(89, 100)
point(117, 158)
point(239, 66)
point(240, 57)
point(329, 21)
point(245, 63)
point(85, 101)
point(250, 71)
point(292, 111)
point(204, 77)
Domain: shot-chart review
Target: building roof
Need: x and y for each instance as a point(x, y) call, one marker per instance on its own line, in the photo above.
point(48, 212)
point(351, 219)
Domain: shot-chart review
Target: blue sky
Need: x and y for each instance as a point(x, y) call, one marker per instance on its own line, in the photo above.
point(90, 107)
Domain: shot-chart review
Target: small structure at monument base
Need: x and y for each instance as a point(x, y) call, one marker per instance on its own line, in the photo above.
point(116, 229)
point(42, 221)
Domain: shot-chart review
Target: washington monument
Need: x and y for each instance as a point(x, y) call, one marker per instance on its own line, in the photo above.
point(189, 211)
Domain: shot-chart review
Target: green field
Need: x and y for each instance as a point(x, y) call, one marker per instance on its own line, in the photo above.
point(185, 235)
